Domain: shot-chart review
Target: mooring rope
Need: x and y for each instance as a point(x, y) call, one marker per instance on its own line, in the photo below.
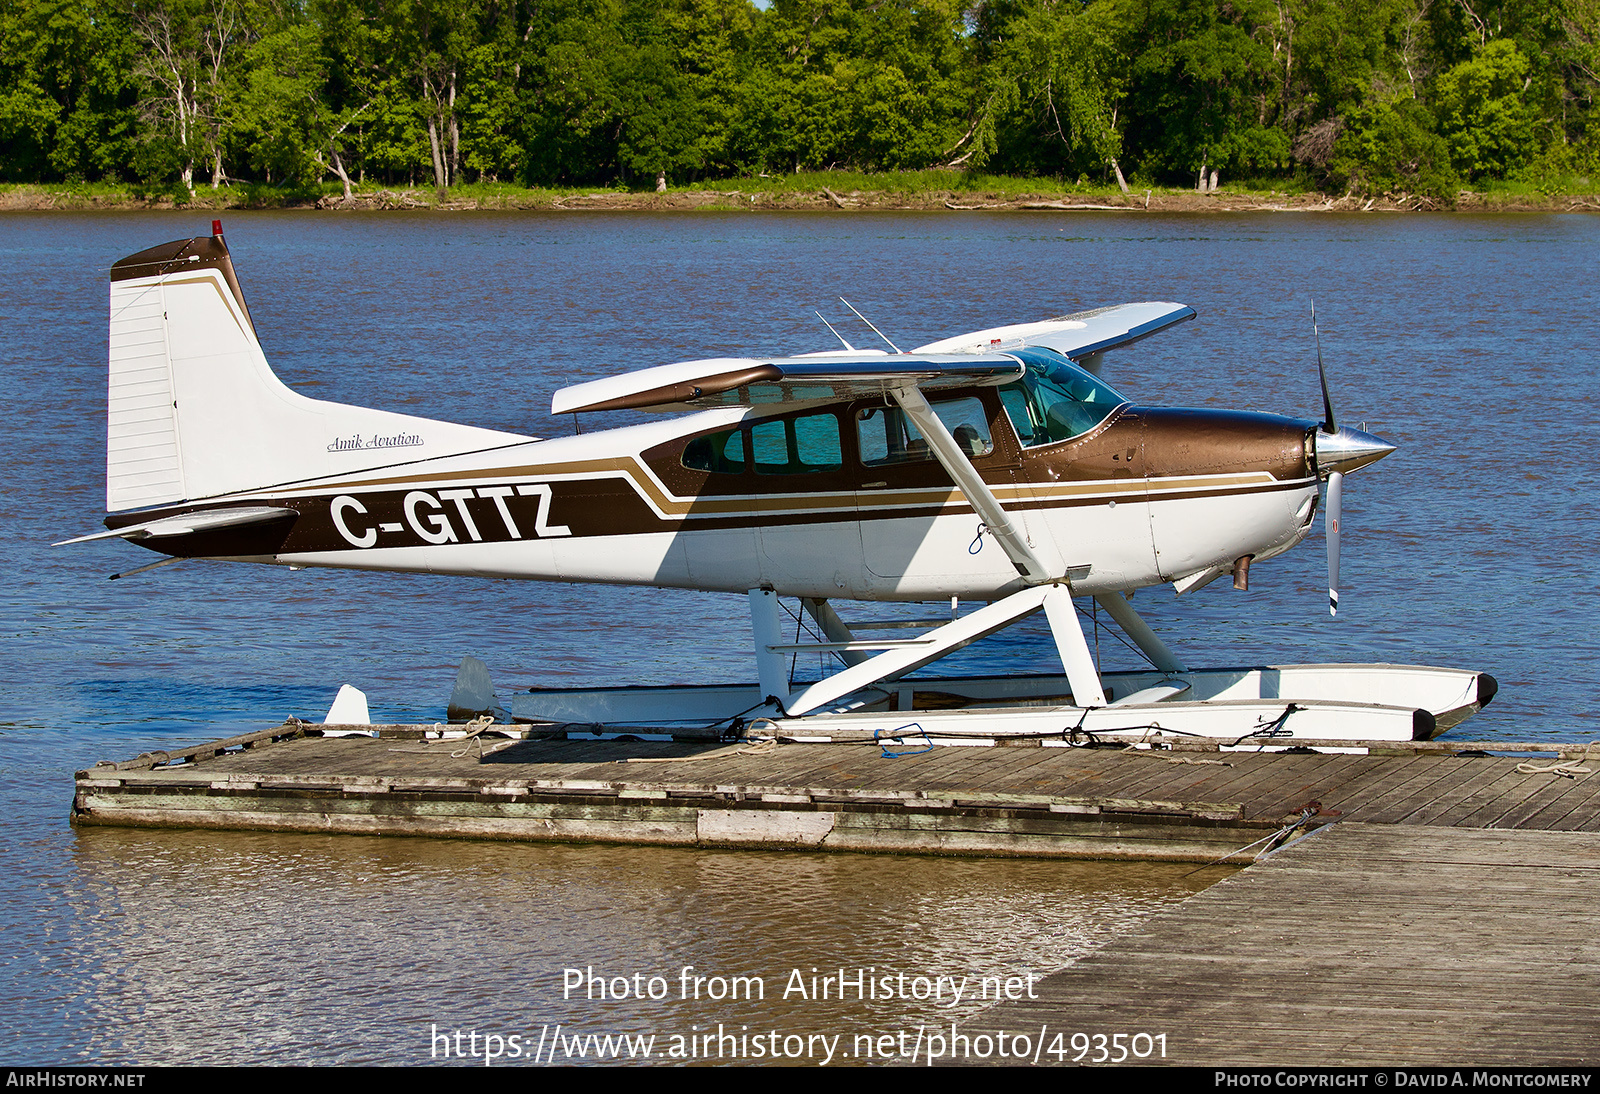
point(745, 748)
point(1307, 811)
point(473, 735)
point(1566, 769)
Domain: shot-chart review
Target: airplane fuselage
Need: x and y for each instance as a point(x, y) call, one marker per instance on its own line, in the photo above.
point(816, 504)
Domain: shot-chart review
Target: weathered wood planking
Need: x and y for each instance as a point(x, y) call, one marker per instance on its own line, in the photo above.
point(1364, 945)
point(612, 802)
point(1000, 800)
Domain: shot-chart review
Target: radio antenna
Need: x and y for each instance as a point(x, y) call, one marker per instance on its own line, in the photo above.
point(836, 334)
point(868, 322)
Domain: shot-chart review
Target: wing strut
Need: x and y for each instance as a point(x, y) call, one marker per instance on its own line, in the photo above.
point(1047, 591)
point(971, 484)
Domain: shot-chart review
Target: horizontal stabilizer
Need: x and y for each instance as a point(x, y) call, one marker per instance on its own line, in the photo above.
point(1080, 335)
point(755, 381)
point(209, 520)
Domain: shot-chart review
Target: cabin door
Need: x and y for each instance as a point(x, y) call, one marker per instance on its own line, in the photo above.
point(917, 531)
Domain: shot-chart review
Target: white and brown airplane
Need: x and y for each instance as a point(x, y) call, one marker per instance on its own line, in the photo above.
point(996, 467)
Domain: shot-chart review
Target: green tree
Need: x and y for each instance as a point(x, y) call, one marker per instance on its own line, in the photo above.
point(1057, 81)
point(278, 119)
point(1394, 146)
point(1200, 87)
point(658, 123)
point(1482, 113)
point(493, 132)
point(571, 100)
point(67, 96)
point(189, 52)
point(845, 82)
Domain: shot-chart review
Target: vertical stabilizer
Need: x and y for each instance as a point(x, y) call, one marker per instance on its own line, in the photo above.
point(196, 412)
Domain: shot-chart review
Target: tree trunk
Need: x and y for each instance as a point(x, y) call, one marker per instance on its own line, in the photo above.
point(1200, 184)
point(440, 180)
point(661, 182)
point(187, 174)
point(338, 169)
point(1122, 183)
point(455, 134)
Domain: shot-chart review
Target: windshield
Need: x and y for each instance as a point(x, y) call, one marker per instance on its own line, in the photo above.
point(1055, 400)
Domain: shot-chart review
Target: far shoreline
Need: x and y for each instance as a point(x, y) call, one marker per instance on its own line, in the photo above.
point(775, 195)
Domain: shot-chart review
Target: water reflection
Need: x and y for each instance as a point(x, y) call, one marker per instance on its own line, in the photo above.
point(190, 947)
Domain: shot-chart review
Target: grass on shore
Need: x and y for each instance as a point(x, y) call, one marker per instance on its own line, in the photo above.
point(931, 188)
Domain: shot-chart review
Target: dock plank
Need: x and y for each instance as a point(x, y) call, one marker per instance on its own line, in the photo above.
point(1284, 786)
point(1253, 793)
point(1489, 801)
point(1347, 950)
point(1427, 779)
point(1555, 798)
point(1578, 815)
point(1448, 796)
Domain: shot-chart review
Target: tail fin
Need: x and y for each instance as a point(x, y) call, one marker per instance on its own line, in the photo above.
point(195, 410)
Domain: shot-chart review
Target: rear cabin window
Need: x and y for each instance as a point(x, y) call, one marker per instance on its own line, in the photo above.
point(797, 446)
point(786, 446)
point(887, 436)
point(722, 453)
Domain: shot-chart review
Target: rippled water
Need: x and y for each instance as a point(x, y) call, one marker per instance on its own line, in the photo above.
point(1469, 341)
point(191, 948)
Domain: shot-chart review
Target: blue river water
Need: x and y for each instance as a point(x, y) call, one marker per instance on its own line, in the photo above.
point(1469, 341)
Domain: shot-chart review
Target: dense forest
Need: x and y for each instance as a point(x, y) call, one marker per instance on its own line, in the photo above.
point(1422, 96)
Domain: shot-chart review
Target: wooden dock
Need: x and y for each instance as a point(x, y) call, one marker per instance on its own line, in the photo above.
point(1190, 805)
point(1413, 908)
point(1365, 945)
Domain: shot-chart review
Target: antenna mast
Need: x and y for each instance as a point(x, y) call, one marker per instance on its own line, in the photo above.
point(836, 334)
point(868, 322)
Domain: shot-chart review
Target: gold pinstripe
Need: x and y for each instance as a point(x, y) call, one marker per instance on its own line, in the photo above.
point(1032, 495)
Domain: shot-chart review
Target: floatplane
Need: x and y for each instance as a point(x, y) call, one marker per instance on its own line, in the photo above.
point(997, 468)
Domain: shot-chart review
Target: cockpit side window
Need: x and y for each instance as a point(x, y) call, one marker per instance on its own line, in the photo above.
point(1014, 397)
point(886, 436)
point(1056, 400)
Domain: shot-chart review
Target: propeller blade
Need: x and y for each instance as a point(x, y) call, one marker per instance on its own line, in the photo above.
point(1335, 501)
point(1328, 425)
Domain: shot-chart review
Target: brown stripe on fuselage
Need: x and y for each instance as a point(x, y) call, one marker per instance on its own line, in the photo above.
point(1141, 455)
point(613, 506)
point(1026, 495)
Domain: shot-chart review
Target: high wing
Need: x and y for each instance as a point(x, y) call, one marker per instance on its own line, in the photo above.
point(1082, 334)
point(967, 360)
point(759, 381)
